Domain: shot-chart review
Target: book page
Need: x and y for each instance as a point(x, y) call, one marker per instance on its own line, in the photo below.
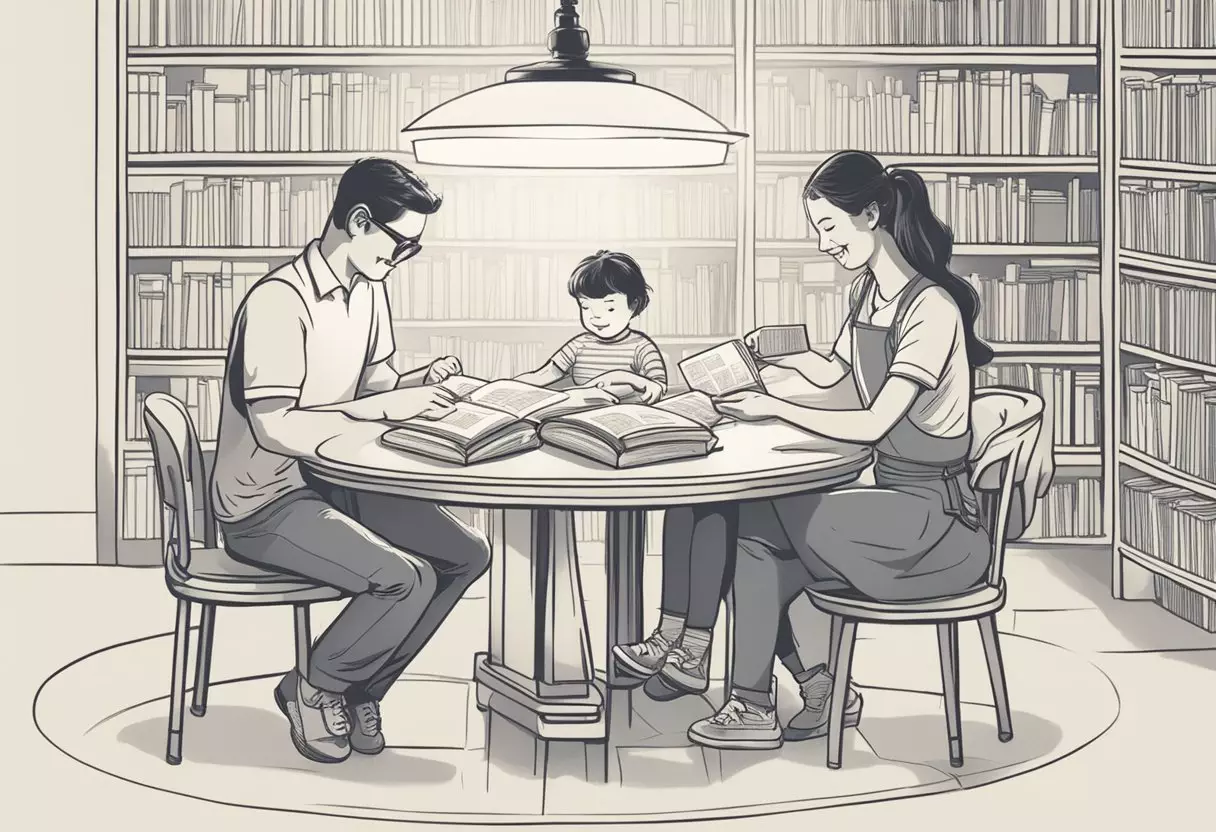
point(693, 405)
point(461, 386)
point(726, 368)
point(464, 422)
point(624, 419)
point(516, 398)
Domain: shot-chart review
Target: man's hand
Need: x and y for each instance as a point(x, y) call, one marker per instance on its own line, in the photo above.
point(402, 404)
point(442, 368)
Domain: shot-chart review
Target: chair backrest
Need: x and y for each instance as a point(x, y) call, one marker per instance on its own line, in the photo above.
point(1005, 424)
point(180, 476)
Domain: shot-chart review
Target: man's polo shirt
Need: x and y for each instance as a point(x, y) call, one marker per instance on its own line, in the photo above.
point(298, 335)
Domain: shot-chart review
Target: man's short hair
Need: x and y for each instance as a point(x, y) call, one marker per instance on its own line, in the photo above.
point(387, 188)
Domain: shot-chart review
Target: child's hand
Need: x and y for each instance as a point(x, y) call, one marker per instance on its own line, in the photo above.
point(442, 368)
point(651, 392)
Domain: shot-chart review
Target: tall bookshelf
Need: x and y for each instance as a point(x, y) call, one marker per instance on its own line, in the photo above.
point(1028, 224)
point(1165, 304)
point(996, 104)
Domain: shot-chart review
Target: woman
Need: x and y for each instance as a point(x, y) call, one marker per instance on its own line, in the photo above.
point(910, 345)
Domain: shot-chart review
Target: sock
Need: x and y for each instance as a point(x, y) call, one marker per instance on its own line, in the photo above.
point(758, 699)
point(697, 641)
point(671, 625)
point(793, 664)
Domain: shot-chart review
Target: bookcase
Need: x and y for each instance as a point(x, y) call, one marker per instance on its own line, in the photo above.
point(1165, 304)
point(237, 117)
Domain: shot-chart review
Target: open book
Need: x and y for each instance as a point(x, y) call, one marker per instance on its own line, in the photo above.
point(489, 420)
point(726, 368)
point(628, 435)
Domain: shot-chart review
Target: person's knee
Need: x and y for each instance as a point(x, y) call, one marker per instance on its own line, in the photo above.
point(407, 577)
point(475, 555)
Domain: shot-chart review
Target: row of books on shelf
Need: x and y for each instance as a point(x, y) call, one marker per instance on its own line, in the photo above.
point(1179, 23)
point(200, 396)
point(1069, 509)
point(290, 211)
point(1177, 219)
point(1040, 304)
point(238, 110)
point(1170, 415)
point(802, 292)
point(928, 22)
point(998, 112)
point(1170, 523)
point(993, 210)
point(1072, 397)
point(386, 23)
point(191, 307)
point(1191, 606)
point(1169, 118)
point(1175, 320)
point(480, 357)
point(691, 300)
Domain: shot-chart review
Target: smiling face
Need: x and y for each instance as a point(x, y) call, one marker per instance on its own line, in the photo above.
point(851, 240)
point(371, 248)
point(605, 317)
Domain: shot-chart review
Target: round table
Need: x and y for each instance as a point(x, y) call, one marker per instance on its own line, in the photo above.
point(538, 671)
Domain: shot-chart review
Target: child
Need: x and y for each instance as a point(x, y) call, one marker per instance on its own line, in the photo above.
point(611, 291)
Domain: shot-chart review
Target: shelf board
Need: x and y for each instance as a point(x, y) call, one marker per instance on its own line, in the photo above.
point(1174, 171)
point(1169, 57)
point(930, 55)
point(1034, 350)
point(251, 253)
point(1093, 540)
point(776, 162)
point(1166, 358)
point(963, 249)
point(1146, 464)
point(330, 162)
point(1191, 272)
point(412, 56)
point(1078, 456)
point(1204, 587)
point(194, 363)
point(143, 448)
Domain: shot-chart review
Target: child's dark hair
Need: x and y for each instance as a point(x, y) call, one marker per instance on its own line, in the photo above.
point(608, 272)
point(852, 180)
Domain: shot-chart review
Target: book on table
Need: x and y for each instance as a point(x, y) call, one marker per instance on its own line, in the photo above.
point(489, 420)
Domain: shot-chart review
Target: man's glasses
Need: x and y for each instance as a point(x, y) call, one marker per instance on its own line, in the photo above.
point(406, 247)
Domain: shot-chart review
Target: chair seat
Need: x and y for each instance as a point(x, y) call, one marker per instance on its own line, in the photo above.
point(981, 601)
point(214, 576)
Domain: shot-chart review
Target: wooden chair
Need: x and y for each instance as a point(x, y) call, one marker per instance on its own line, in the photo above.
point(198, 571)
point(995, 477)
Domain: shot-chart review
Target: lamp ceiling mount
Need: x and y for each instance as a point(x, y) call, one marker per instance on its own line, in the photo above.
point(569, 44)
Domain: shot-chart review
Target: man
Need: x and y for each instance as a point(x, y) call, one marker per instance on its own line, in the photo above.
point(309, 353)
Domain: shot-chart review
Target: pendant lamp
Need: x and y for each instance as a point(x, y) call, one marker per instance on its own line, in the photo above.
point(569, 112)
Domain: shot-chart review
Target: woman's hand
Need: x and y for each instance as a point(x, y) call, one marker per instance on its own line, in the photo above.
point(442, 368)
point(748, 406)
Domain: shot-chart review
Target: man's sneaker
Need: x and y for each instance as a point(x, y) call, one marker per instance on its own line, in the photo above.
point(812, 721)
point(319, 724)
point(643, 659)
point(686, 669)
point(738, 726)
point(365, 735)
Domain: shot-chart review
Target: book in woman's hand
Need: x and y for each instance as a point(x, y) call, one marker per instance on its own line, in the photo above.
point(780, 341)
point(722, 370)
point(629, 435)
point(489, 420)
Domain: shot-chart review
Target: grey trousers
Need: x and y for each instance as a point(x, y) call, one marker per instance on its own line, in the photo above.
point(405, 562)
point(698, 561)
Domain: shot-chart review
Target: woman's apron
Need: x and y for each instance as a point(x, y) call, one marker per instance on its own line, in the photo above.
point(916, 532)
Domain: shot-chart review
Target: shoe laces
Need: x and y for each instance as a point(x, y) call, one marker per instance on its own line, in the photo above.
point(817, 691)
point(682, 657)
point(333, 711)
point(731, 713)
point(367, 714)
point(657, 644)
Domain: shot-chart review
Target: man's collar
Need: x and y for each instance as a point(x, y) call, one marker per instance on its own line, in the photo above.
point(324, 281)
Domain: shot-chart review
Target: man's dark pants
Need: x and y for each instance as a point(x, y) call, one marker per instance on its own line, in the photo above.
point(405, 562)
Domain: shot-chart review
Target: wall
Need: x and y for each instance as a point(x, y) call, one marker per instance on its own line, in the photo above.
point(48, 304)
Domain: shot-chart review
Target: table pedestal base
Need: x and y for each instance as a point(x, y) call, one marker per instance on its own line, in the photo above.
point(517, 698)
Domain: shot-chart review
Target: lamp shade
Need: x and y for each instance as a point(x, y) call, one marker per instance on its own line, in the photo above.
point(569, 112)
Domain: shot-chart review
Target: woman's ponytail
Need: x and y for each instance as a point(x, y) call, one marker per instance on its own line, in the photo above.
point(927, 244)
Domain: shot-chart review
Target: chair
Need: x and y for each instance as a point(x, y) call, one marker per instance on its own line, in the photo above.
point(998, 465)
point(198, 571)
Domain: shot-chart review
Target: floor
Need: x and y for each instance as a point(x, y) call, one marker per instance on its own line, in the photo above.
point(1154, 754)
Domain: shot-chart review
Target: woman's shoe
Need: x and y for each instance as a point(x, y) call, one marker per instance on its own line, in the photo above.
point(812, 721)
point(739, 726)
point(686, 669)
point(644, 658)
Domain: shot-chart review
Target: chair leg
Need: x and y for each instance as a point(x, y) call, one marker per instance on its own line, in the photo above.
point(728, 675)
point(303, 639)
point(177, 687)
point(947, 645)
point(996, 673)
point(202, 667)
point(842, 661)
point(834, 643)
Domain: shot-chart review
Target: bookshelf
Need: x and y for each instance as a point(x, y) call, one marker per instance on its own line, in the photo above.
point(1164, 356)
point(725, 249)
